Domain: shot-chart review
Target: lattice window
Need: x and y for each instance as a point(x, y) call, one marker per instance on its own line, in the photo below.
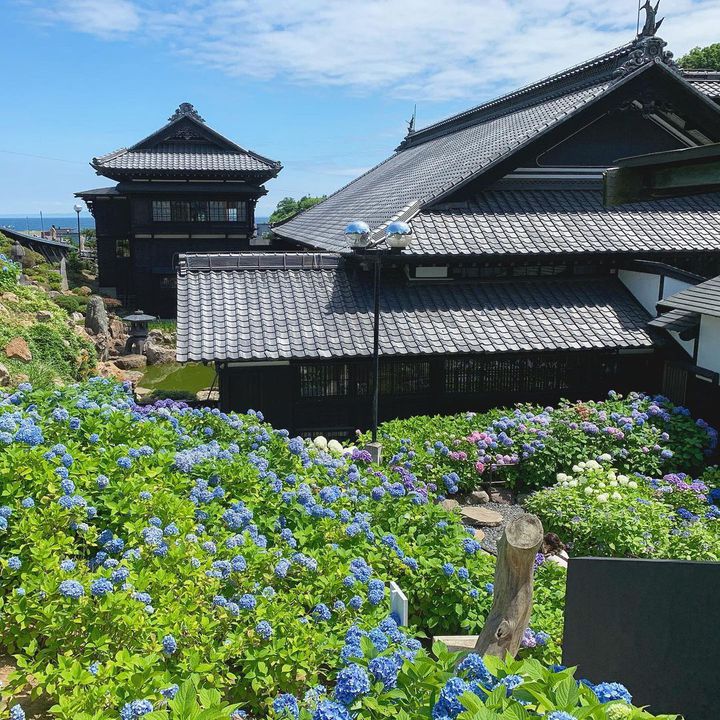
point(122, 248)
point(319, 380)
point(404, 377)
point(161, 210)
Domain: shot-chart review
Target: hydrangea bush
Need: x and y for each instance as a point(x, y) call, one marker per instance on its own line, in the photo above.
point(144, 546)
point(527, 445)
point(600, 511)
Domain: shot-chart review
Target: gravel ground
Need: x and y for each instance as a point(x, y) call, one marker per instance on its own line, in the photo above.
point(492, 534)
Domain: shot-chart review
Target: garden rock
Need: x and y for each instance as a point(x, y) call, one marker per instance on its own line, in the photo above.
point(117, 327)
point(482, 516)
point(142, 392)
point(208, 395)
point(17, 349)
point(10, 297)
point(450, 504)
point(479, 535)
point(4, 376)
point(43, 316)
point(96, 318)
point(83, 290)
point(77, 317)
point(478, 497)
point(131, 362)
point(158, 349)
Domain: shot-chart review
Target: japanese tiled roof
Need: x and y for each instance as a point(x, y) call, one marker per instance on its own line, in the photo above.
point(277, 307)
point(676, 320)
point(706, 81)
point(545, 221)
point(185, 146)
point(182, 157)
point(703, 298)
point(432, 162)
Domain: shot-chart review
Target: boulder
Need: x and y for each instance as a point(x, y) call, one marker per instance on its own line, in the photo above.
point(43, 316)
point(9, 296)
point(142, 392)
point(96, 318)
point(4, 376)
point(77, 317)
point(478, 497)
point(117, 327)
point(18, 349)
point(83, 290)
point(450, 504)
point(208, 395)
point(131, 362)
point(482, 516)
point(157, 352)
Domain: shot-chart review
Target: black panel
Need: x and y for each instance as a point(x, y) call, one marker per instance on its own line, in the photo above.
point(650, 624)
point(615, 135)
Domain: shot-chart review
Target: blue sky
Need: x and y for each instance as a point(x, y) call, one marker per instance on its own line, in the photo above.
point(324, 86)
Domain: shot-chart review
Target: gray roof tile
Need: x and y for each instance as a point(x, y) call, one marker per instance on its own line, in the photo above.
point(530, 221)
point(325, 310)
point(703, 298)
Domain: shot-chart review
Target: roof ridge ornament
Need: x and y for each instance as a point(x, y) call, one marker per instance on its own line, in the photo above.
point(186, 109)
point(652, 24)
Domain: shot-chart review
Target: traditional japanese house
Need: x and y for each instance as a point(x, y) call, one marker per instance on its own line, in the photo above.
point(184, 188)
point(517, 285)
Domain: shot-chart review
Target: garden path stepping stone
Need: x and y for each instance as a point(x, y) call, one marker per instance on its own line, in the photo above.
point(482, 516)
point(479, 535)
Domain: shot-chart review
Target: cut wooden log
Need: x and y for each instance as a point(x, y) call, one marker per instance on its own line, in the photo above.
point(512, 595)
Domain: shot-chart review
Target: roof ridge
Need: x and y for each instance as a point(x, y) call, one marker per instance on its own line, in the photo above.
point(525, 92)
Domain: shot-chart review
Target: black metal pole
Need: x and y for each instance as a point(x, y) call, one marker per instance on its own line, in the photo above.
point(376, 348)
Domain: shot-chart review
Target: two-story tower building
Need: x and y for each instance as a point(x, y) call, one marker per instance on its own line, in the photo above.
point(184, 188)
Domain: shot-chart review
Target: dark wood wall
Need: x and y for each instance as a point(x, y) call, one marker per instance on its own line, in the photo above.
point(334, 397)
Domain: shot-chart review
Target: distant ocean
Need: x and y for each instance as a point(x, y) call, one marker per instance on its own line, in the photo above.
point(32, 222)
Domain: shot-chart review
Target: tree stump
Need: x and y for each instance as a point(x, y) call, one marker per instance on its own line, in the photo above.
point(512, 596)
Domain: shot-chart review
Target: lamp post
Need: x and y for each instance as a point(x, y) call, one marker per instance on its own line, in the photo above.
point(397, 237)
point(77, 208)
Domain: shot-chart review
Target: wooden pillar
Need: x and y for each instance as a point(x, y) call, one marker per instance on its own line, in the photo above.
point(512, 596)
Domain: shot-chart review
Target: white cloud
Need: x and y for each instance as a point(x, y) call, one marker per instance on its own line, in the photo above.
point(412, 49)
point(104, 18)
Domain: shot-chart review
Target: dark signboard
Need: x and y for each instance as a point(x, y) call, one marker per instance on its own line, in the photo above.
point(653, 625)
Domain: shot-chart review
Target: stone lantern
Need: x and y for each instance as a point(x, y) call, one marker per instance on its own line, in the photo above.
point(138, 331)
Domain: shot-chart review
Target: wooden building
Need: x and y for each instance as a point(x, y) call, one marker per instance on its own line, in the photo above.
point(518, 284)
point(184, 188)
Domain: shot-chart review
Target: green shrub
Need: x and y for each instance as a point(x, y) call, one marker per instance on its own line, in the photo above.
point(527, 446)
point(601, 512)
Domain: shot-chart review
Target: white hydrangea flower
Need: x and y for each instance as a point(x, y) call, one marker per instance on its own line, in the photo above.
point(616, 496)
point(613, 483)
point(603, 497)
point(561, 477)
point(576, 468)
point(335, 446)
point(573, 483)
point(320, 442)
point(632, 484)
point(589, 490)
point(605, 457)
point(622, 479)
point(612, 476)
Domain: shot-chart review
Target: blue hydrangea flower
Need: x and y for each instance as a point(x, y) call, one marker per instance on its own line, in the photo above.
point(609, 691)
point(17, 713)
point(170, 692)
point(264, 629)
point(135, 709)
point(352, 682)
point(169, 645)
point(286, 704)
point(101, 587)
point(384, 670)
point(376, 591)
point(93, 668)
point(72, 589)
point(475, 669)
point(448, 568)
point(560, 715)
point(321, 612)
point(448, 704)
point(329, 710)
point(28, 502)
point(14, 562)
